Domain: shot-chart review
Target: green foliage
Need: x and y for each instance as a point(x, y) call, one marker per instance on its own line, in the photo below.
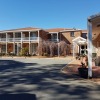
point(2, 54)
point(94, 55)
point(45, 54)
point(24, 52)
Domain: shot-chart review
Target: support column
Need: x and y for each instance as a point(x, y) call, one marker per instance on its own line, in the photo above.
point(60, 36)
point(29, 44)
point(17, 48)
point(89, 49)
point(6, 44)
point(80, 49)
point(38, 42)
point(21, 40)
point(14, 43)
point(14, 47)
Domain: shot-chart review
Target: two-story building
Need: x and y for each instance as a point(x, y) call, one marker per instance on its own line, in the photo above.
point(15, 39)
point(75, 37)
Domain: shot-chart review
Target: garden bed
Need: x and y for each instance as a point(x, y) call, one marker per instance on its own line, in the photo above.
point(73, 69)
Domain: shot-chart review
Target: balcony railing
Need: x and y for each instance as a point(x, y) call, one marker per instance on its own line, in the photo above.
point(2, 39)
point(54, 40)
point(19, 39)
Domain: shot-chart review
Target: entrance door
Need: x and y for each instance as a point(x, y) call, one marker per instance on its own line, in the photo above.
point(17, 48)
point(34, 48)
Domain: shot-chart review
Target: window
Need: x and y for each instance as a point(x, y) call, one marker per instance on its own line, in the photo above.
point(54, 36)
point(84, 35)
point(33, 34)
point(3, 48)
point(18, 35)
point(3, 35)
point(72, 34)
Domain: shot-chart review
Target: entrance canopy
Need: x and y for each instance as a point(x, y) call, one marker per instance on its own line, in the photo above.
point(79, 41)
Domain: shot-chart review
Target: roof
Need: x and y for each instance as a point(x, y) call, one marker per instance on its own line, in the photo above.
point(56, 30)
point(70, 30)
point(21, 29)
point(95, 21)
point(84, 31)
point(94, 16)
point(79, 40)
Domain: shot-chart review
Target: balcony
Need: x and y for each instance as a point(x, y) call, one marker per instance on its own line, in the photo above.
point(19, 39)
point(2, 39)
point(54, 40)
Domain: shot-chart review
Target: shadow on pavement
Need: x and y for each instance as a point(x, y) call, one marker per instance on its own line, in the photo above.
point(19, 78)
point(18, 97)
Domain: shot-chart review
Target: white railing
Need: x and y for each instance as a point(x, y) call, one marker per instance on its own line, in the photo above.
point(2, 39)
point(19, 39)
point(34, 38)
point(25, 38)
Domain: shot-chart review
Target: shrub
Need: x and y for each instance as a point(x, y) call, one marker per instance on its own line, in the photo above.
point(47, 48)
point(24, 52)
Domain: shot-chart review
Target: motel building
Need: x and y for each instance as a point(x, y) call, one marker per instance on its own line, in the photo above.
point(15, 40)
point(12, 41)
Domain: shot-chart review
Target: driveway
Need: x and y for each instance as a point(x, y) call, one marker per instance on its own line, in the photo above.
point(43, 79)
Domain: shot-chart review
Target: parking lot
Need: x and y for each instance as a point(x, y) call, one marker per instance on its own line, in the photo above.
point(43, 78)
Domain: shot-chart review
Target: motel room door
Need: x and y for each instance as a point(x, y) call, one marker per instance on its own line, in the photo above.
point(17, 48)
point(34, 48)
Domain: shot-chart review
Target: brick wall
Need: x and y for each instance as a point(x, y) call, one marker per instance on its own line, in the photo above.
point(66, 36)
point(43, 35)
point(10, 47)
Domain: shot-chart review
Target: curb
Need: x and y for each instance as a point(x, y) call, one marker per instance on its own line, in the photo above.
point(67, 64)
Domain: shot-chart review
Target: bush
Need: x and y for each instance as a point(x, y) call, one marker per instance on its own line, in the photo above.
point(2, 54)
point(24, 52)
point(47, 48)
point(94, 55)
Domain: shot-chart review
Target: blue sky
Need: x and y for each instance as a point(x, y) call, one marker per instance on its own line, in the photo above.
point(46, 13)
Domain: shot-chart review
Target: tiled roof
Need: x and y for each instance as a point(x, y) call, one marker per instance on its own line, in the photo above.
point(57, 29)
point(21, 29)
point(84, 31)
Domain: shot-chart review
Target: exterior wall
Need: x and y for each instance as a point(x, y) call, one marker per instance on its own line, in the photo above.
point(49, 36)
point(43, 35)
point(25, 45)
point(96, 35)
point(68, 39)
point(66, 36)
point(10, 47)
point(96, 41)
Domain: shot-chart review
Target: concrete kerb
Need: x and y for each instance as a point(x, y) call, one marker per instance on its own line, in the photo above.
point(35, 57)
point(72, 60)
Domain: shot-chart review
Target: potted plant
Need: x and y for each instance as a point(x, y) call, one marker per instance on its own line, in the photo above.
point(83, 70)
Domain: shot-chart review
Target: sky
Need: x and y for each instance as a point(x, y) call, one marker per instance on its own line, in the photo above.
point(46, 13)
